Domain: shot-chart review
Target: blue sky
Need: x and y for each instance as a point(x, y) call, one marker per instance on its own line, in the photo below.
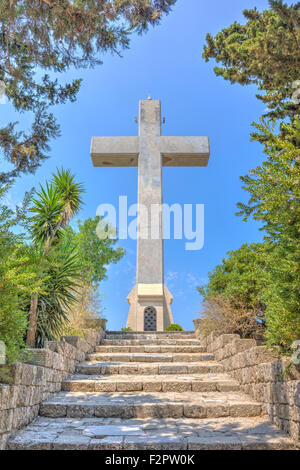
point(166, 62)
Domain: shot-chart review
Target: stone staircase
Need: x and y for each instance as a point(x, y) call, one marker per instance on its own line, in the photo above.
point(153, 390)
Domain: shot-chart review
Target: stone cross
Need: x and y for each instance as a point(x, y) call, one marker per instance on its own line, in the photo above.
point(150, 299)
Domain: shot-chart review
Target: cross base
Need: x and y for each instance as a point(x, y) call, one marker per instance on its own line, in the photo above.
point(150, 307)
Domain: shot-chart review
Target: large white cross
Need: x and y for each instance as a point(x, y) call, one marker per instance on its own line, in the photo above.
point(149, 151)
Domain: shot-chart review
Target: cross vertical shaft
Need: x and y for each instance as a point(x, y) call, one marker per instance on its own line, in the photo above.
point(149, 250)
point(150, 300)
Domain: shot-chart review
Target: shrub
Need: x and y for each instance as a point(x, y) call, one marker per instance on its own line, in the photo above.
point(17, 281)
point(85, 312)
point(126, 329)
point(174, 327)
point(223, 315)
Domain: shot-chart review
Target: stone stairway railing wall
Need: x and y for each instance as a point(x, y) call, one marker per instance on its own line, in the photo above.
point(259, 373)
point(28, 384)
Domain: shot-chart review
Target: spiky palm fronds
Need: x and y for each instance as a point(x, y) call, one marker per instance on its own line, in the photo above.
point(62, 283)
point(47, 209)
point(55, 206)
point(70, 194)
point(53, 209)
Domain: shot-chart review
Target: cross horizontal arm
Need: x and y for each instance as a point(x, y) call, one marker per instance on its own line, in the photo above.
point(124, 151)
point(115, 151)
point(185, 151)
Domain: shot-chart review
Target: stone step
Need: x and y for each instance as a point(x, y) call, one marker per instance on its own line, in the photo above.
point(151, 342)
point(150, 434)
point(153, 337)
point(97, 368)
point(150, 349)
point(150, 357)
point(150, 333)
point(151, 383)
point(155, 405)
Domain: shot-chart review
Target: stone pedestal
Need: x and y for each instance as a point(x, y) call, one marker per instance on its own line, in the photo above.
point(150, 307)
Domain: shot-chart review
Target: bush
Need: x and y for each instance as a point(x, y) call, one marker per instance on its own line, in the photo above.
point(263, 279)
point(17, 281)
point(222, 315)
point(85, 313)
point(174, 327)
point(126, 329)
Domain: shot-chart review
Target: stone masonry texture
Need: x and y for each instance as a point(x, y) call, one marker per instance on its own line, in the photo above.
point(28, 384)
point(158, 390)
point(263, 375)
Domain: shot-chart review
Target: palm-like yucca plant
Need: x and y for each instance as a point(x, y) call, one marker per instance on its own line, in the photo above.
point(53, 209)
point(47, 211)
point(62, 283)
point(70, 194)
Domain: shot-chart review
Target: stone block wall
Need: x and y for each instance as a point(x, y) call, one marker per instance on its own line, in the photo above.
point(261, 375)
point(28, 384)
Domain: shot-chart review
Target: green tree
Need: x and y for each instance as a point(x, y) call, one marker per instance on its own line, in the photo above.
point(263, 51)
point(17, 280)
point(96, 253)
point(241, 276)
point(58, 267)
point(263, 280)
point(61, 282)
point(40, 40)
point(274, 189)
point(53, 209)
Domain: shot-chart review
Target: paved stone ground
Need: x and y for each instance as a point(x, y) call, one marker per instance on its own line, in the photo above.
point(158, 434)
point(131, 401)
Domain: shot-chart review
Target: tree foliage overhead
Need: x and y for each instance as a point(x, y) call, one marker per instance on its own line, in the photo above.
point(263, 51)
point(40, 39)
point(274, 187)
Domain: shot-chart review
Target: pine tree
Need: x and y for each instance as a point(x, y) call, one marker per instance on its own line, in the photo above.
point(264, 51)
point(43, 38)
